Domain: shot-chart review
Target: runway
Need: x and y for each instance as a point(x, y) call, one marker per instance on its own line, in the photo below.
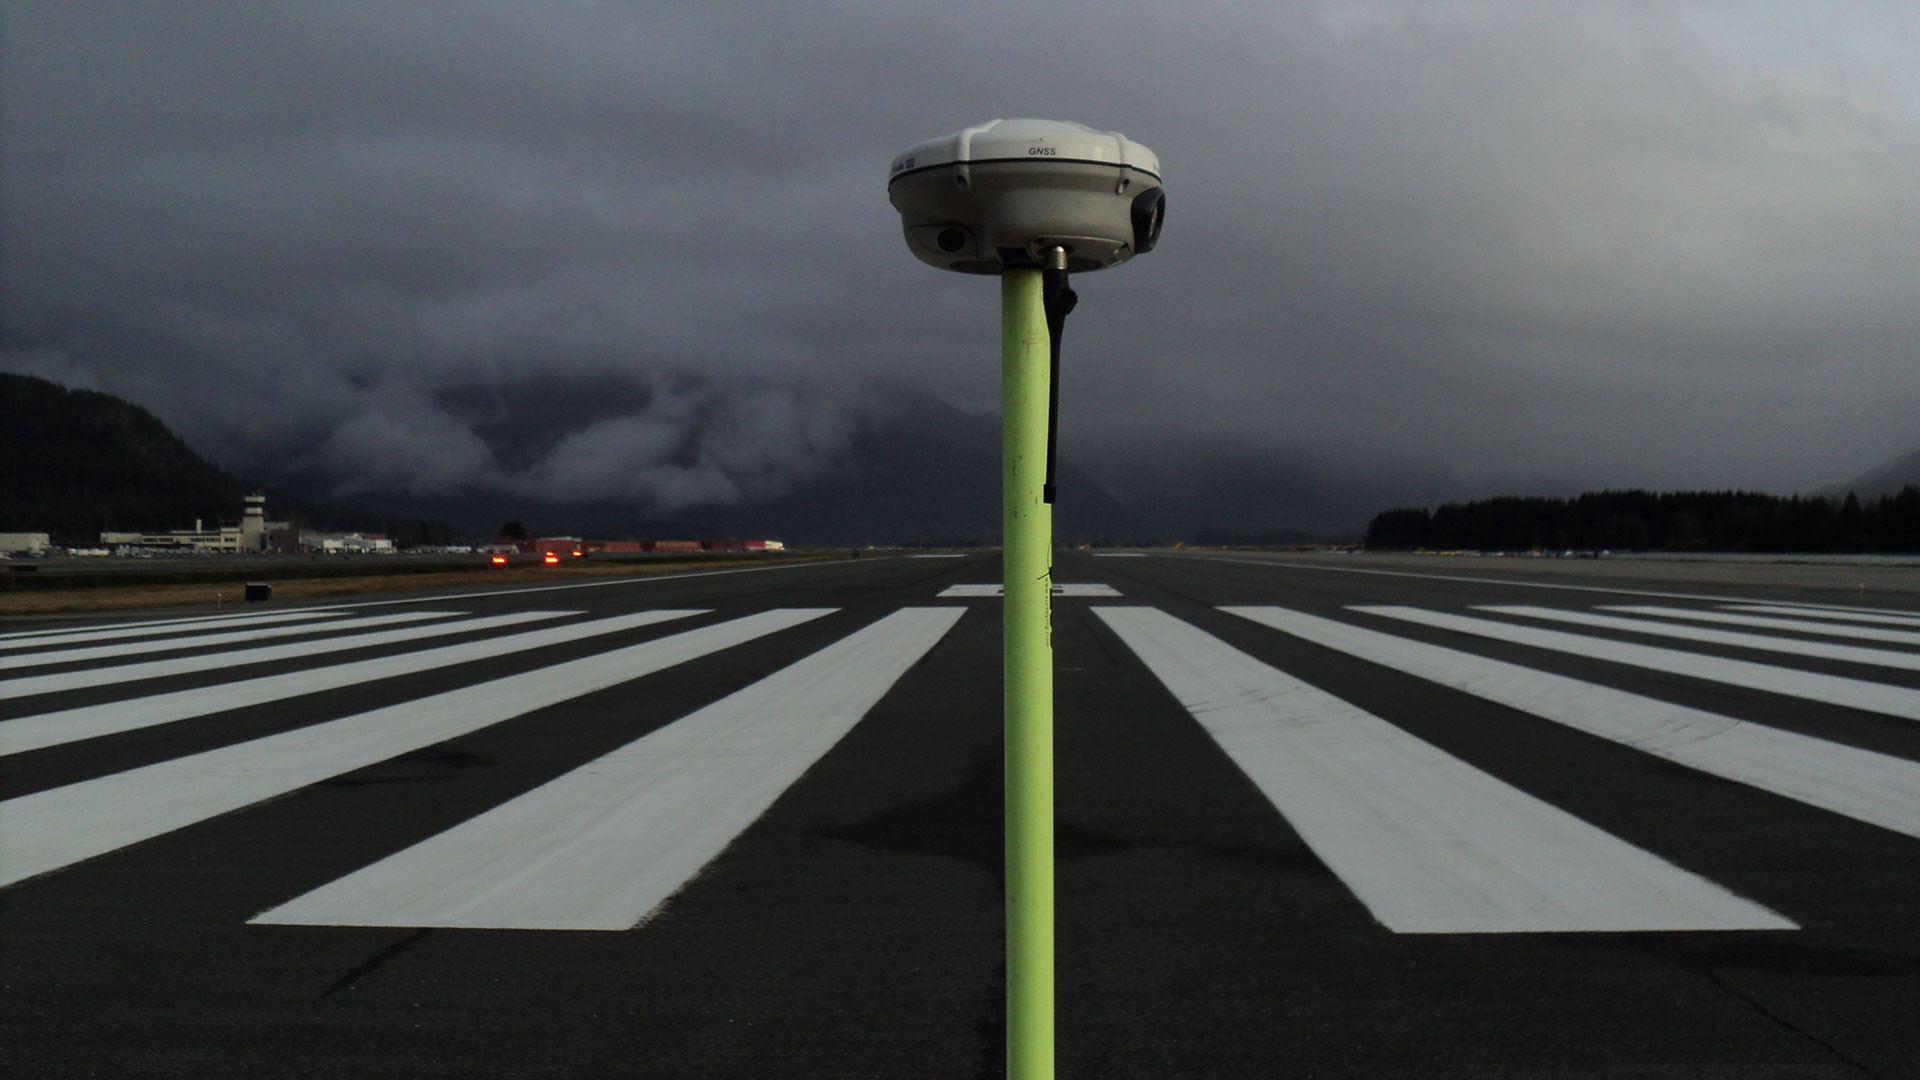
point(1317, 817)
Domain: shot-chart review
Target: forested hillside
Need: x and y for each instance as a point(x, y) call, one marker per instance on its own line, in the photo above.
point(1675, 521)
point(78, 461)
point(75, 463)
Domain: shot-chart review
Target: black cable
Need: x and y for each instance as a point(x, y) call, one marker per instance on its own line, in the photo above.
point(1057, 300)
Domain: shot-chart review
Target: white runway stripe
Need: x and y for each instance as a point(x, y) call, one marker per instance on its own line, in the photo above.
point(45, 831)
point(1830, 689)
point(1476, 579)
point(1829, 613)
point(604, 845)
point(1803, 605)
point(55, 682)
point(21, 734)
point(202, 641)
point(1427, 842)
point(1824, 650)
point(1763, 622)
point(1876, 788)
point(1072, 588)
point(27, 639)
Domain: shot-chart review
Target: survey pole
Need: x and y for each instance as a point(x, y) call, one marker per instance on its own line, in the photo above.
point(1027, 561)
point(1010, 197)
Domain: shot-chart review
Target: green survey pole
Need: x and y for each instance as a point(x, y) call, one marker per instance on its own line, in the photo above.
point(1000, 196)
point(1027, 544)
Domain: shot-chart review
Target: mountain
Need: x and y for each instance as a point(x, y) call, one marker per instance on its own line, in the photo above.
point(916, 471)
point(913, 469)
point(1229, 494)
point(931, 474)
point(923, 472)
point(75, 463)
point(1885, 479)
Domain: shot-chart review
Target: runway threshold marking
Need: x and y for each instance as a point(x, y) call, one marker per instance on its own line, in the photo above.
point(1879, 789)
point(27, 639)
point(1064, 589)
point(606, 844)
point(1824, 650)
point(203, 641)
point(1856, 615)
point(1829, 689)
point(51, 829)
point(27, 686)
point(41, 730)
point(1763, 622)
point(1430, 844)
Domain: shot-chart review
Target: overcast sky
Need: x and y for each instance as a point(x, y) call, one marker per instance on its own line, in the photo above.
point(1619, 244)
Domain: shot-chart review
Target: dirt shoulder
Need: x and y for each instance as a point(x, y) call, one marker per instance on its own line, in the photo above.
point(219, 591)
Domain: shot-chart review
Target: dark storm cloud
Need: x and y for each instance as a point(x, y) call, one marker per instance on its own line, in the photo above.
point(1619, 243)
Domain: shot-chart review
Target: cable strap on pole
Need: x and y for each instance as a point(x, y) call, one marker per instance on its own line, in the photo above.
point(1058, 300)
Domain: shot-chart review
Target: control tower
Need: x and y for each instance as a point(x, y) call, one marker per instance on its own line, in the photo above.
point(253, 524)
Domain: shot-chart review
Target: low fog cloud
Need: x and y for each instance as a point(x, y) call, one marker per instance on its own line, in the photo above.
point(714, 445)
point(659, 445)
point(1612, 243)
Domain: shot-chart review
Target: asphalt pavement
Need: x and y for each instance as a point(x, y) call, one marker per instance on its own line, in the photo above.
point(1317, 817)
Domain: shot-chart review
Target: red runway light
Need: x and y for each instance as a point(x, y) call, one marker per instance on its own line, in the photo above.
point(499, 560)
point(552, 557)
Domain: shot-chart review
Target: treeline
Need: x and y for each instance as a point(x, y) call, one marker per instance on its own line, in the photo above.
point(1675, 521)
